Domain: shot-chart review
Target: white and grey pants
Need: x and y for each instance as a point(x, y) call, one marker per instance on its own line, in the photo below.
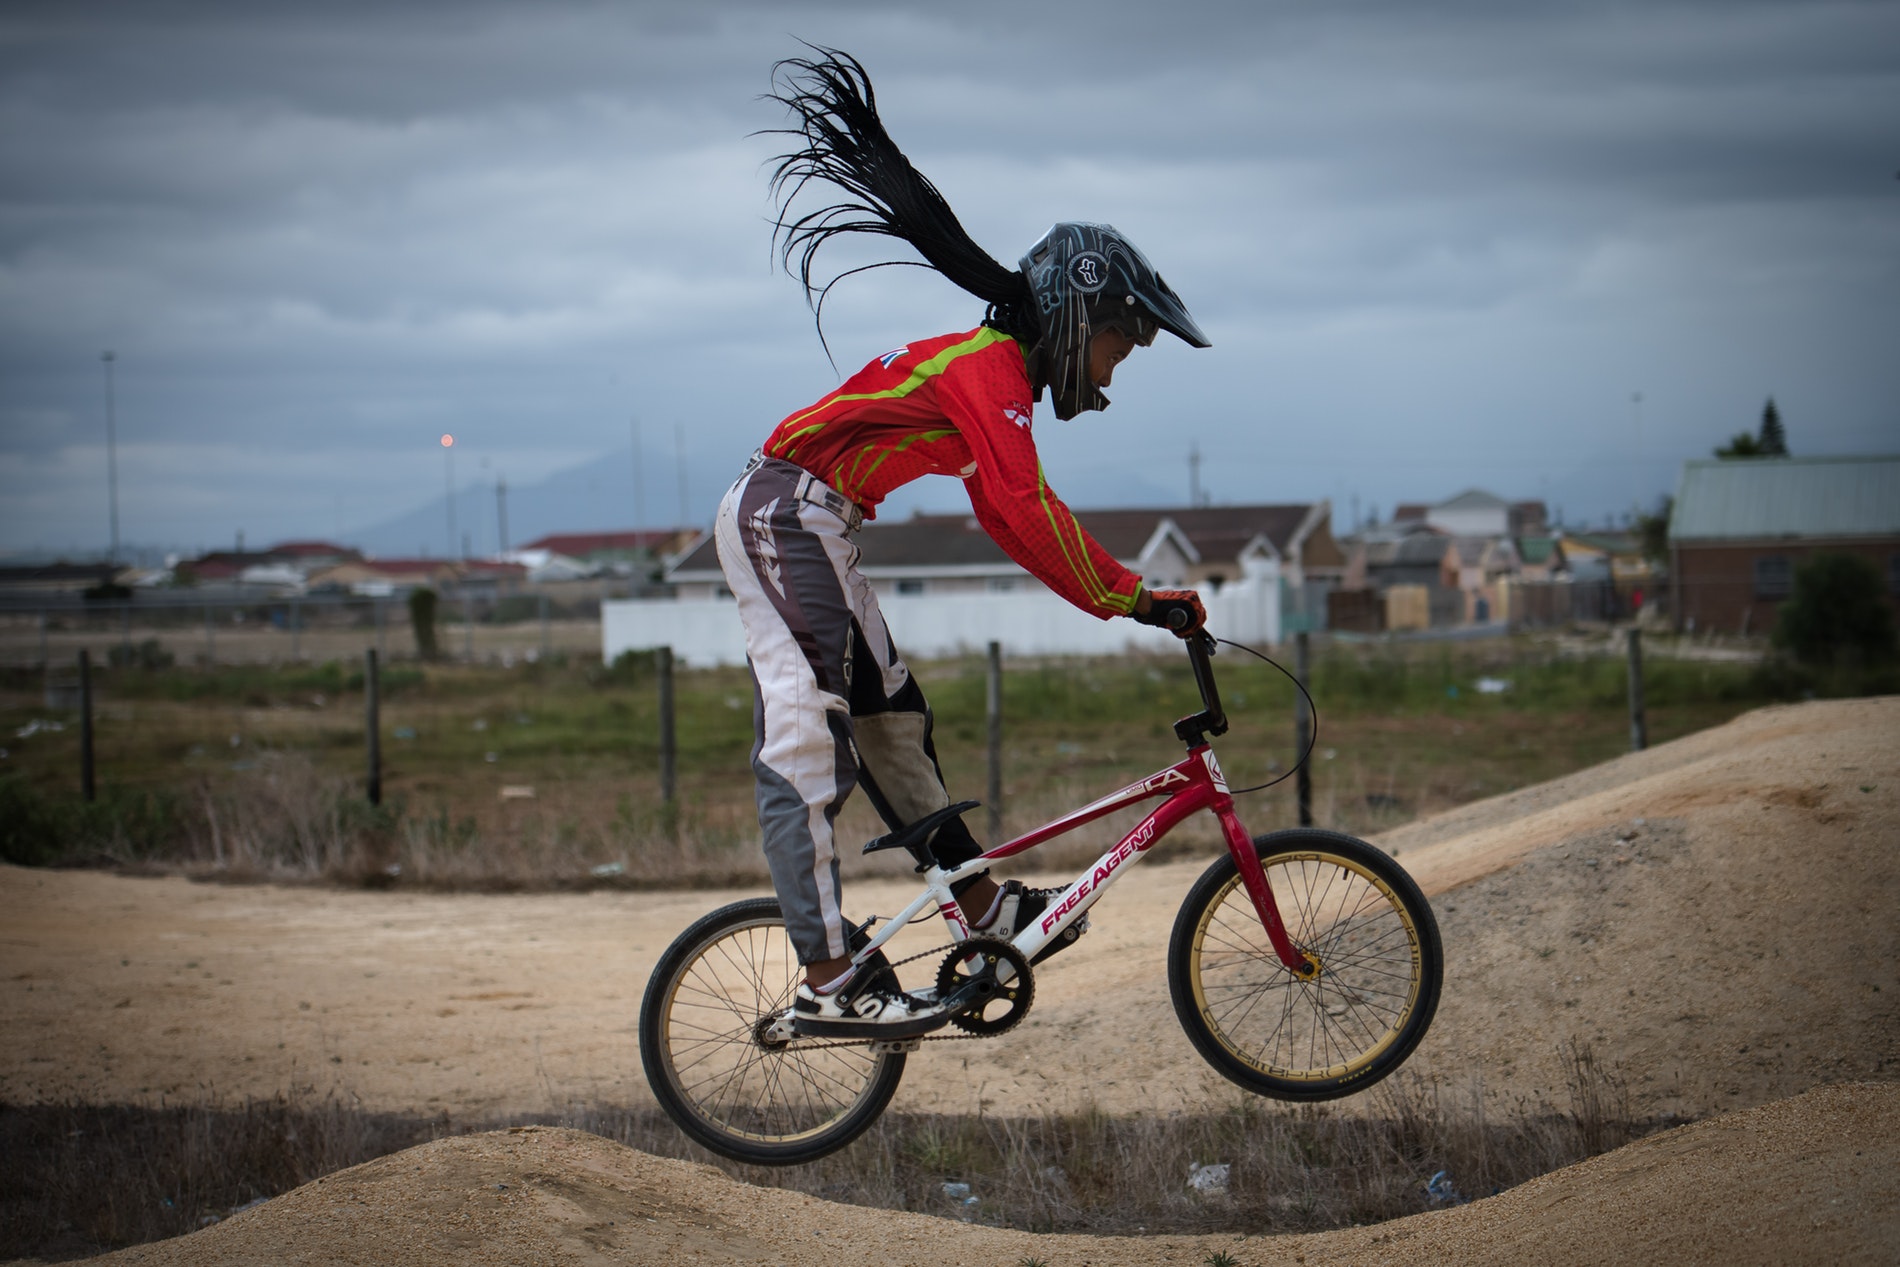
point(834, 705)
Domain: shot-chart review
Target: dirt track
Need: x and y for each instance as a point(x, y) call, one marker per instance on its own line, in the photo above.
point(1816, 1179)
point(1735, 946)
point(1738, 947)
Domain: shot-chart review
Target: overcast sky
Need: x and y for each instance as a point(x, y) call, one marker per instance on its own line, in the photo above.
point(1436, 246)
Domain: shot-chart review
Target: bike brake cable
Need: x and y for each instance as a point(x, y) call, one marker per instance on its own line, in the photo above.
point(1311, 708)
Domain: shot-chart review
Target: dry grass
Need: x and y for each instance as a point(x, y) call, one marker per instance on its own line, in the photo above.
point(258, 772)
point(82, 1179)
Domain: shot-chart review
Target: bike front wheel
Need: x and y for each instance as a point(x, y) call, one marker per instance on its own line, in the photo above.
point(724, 1075)
point(1363, 923)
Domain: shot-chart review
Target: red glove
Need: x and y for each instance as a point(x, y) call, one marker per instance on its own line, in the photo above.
point(1178, 611)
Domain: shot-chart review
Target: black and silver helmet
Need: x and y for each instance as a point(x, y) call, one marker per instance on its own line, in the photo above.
point(1084, 277)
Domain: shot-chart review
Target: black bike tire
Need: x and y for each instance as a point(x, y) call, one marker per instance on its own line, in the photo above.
point(1218, 887)
point(676, 1098)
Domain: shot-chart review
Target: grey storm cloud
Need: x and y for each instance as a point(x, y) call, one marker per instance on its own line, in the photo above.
point(1435, 246)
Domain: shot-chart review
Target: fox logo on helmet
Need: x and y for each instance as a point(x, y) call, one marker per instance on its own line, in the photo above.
point(1088, 271)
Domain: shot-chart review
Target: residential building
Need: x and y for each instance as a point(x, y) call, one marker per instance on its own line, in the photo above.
point(607, 548)
point(1741, 526)
point(1203, 547)
point(382, 578)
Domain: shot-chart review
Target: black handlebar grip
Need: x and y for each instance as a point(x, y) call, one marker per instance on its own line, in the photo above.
point(1178, 619)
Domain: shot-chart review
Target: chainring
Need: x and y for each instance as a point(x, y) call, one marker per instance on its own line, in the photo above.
point(1015, 995)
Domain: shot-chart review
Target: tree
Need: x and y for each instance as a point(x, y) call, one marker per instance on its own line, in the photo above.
point(1837, 613)
point(1654, 530)
point(1773, 441)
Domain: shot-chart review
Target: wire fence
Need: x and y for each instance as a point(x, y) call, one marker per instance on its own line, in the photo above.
point(155, 631)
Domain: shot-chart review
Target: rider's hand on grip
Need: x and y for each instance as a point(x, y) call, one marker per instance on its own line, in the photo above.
point(1178, 611)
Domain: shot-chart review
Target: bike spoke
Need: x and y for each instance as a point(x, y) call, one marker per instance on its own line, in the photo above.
point(1277, 1020)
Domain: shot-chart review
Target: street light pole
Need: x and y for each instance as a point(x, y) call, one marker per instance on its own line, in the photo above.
point(112, 454)
point(448, 480)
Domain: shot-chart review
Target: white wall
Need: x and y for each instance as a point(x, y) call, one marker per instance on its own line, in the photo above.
point(926, 626)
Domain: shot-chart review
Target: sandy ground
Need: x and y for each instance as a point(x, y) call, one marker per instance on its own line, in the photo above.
point(1809, 1180)
point(1714, 917)
point(1737, 946)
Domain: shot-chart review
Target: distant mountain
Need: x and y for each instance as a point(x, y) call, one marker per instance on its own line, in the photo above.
point(597, 496)
point(594, 496)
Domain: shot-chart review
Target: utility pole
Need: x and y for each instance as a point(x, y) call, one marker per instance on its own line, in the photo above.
point(112, 454)
point(501, 513)
point(639, 482)
point(1194, 474)
point(679, 441)
point(1636, 466)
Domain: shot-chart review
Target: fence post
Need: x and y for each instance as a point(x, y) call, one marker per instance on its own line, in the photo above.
point(1302, 732)
point(545, 646)
point(125, 633)
point(382, 628)
point(669, 752)
point(296, 630)
point(211, 642)
point(85, 725)
point(372, 721)
point(43, 660)
point(993, 706)
point(1639, 724)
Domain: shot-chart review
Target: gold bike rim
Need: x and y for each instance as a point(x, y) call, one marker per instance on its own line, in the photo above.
point(1243, 942)
point(738, 1035)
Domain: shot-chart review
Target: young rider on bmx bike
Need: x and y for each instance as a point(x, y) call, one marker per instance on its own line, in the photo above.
point(837, 708)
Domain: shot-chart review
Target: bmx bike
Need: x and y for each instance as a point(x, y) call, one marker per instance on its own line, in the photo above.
point(1303, 965)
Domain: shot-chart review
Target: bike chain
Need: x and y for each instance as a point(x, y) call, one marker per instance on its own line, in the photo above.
point(893, 965)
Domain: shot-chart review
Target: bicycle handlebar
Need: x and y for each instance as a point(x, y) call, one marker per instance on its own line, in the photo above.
point(1212, 719)
point(1178, 619)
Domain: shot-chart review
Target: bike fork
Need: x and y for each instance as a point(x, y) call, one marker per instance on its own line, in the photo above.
point(1254, 877)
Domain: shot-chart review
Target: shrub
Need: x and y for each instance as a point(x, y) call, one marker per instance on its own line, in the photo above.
point(1837, 614)
point(422, 603)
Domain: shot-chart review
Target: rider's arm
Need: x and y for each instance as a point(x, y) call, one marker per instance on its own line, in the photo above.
point(1015, 504)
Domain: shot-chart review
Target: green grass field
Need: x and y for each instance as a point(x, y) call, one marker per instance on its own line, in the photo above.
point(544, 774)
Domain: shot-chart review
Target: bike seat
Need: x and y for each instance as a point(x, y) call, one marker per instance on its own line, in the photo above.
point(914, 836)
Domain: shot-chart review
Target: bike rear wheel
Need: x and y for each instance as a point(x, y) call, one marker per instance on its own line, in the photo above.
point(722, 1077)
point(1371, 931)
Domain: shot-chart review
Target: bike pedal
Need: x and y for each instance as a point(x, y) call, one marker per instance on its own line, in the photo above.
point(897, 1046)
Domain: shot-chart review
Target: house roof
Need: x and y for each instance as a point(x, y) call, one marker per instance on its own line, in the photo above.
point(578, 545)
point(1217, 532)
point(1411, 550)
point(935, 541)
point(59, 574)
point(1536, 550)
point(1751, 498)
point(1473, 499)
point(223, 564)
point(311, 550)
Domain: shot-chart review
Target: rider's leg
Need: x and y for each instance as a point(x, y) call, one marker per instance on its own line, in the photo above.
point(784, 561)
point(899, 771)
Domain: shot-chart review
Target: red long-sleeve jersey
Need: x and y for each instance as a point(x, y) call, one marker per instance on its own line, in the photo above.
point(958, 404)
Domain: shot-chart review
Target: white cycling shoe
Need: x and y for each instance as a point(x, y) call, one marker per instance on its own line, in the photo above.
point(873, 1010)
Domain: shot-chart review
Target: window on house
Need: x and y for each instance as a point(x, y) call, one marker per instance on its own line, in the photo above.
point(1002, 584)
point(1774, 576)
point(910, 586)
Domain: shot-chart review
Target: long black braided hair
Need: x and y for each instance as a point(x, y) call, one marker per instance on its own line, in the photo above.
point(845, 145)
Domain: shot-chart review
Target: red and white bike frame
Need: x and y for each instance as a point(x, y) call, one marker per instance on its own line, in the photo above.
point(1195, 784)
